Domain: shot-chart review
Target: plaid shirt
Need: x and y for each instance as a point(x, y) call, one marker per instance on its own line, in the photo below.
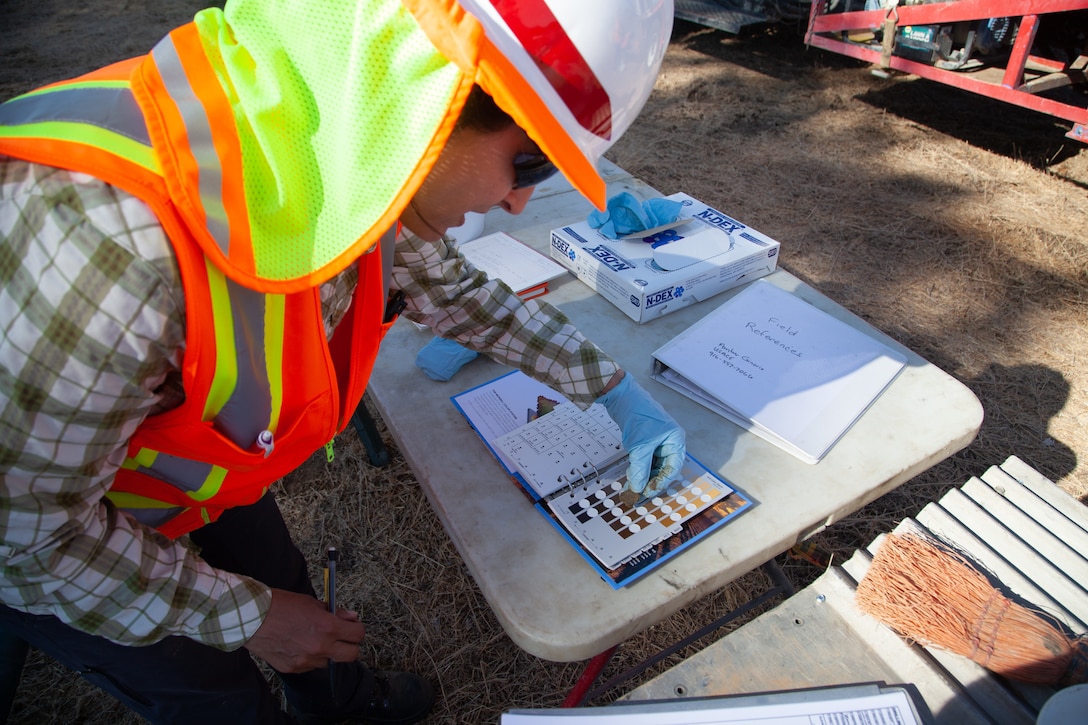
point(92, 318)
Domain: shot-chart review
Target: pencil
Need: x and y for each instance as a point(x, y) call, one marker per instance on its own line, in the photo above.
point(330, 599)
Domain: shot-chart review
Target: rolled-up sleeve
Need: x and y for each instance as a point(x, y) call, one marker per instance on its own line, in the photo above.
point(458, 301)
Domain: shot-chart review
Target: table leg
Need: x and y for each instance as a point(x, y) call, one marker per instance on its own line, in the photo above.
point(367, 429)
point(592, 671)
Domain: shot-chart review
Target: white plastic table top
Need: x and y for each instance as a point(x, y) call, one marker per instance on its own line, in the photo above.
point(549, 601)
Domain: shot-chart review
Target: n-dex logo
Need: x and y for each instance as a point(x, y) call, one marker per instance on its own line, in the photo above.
point(563, 247)
point(715, 217)
point(665, 295)
point(610, 259)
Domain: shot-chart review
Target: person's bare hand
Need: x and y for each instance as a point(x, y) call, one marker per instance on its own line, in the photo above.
point(299, 634)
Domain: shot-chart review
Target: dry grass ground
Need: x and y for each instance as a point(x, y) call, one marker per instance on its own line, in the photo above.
point(955, 224)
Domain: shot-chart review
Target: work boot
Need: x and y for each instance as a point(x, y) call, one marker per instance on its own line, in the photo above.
point(394, 698)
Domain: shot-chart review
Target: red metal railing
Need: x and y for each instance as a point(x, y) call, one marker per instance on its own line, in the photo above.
point(1025, 75)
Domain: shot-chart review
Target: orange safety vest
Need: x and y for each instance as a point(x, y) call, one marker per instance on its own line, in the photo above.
point(264, 387)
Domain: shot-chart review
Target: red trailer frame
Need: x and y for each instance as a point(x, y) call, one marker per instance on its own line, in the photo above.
point(1022, 79)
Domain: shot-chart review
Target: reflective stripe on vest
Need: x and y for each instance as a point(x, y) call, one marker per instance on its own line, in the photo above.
point(248, 388)
point(200, 139)
point(97, 113)
point(244, 399)
point(246, 392)
point(239, 380)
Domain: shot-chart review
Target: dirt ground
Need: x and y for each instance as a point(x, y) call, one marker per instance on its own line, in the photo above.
point(956, 224)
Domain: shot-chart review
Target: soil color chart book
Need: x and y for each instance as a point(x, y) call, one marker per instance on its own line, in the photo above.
point(572, 465)
point(780, 368)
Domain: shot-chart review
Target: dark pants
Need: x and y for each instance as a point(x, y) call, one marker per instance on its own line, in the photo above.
point(178, 680)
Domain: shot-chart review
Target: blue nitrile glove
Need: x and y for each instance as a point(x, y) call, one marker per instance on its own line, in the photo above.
point(440, 359)
point(654, 441)
point(624, 215)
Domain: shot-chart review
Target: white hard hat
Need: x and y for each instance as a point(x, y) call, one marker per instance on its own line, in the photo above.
point(328, 116)
point(573, 74)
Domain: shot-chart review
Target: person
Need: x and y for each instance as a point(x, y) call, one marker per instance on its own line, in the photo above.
point(200, 250)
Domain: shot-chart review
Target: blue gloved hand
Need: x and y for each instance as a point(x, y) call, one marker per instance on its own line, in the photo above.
point(654, 441)
point(440, 359)
point(624, 215)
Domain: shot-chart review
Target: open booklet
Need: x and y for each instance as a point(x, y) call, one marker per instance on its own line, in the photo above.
point(572, 466)
point(779, 367)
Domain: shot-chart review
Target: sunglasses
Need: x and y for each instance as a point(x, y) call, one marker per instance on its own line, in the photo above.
point(531, 169)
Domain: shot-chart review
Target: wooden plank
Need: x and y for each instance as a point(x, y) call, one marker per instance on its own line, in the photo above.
point(951, 528)
point(1034, 522)
point(1075, 511)
point(1009, 552)
point(1070, 530)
